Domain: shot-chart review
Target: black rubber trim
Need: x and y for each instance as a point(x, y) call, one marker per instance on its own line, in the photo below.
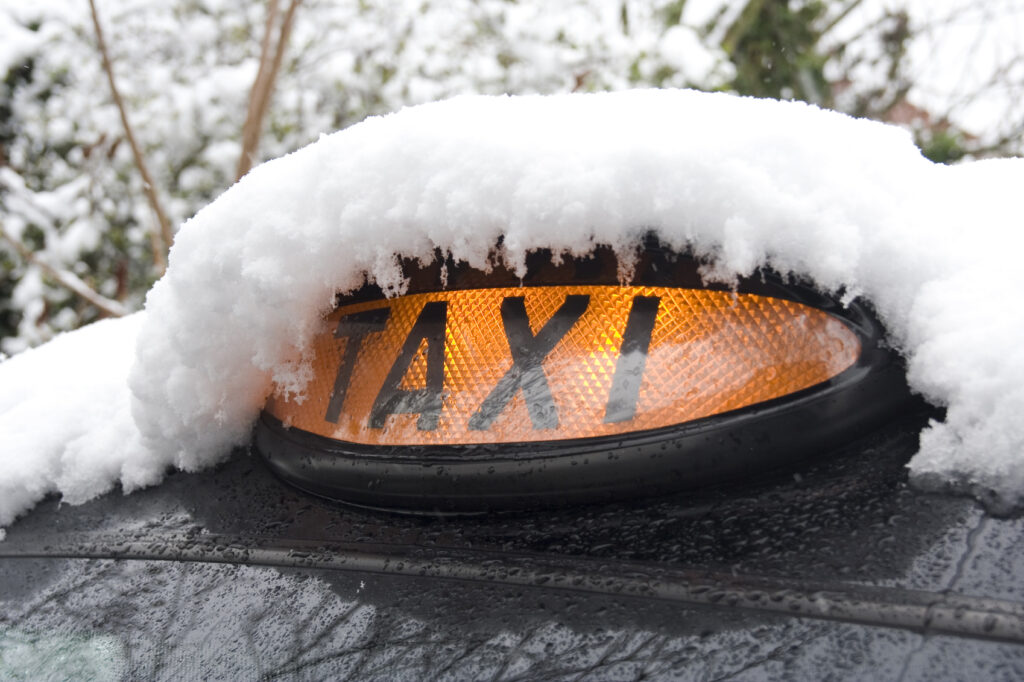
point(521, 476)
point(654, 264)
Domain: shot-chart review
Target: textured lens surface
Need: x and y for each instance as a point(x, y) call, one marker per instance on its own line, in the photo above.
point(549, 363)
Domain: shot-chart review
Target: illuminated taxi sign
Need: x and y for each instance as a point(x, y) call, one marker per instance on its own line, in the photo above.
point(552, 363)
point(496, 390)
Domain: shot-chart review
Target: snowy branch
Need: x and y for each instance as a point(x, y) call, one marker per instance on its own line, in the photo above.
point(165, 237)
point(65, 278)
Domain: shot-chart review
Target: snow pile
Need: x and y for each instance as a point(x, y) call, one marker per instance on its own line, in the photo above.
point(65, 419)
point(742, 182)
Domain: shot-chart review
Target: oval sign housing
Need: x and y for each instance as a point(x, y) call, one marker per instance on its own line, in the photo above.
point(480, 390)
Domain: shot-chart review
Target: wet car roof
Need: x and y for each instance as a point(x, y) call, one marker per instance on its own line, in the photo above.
point(835, 568)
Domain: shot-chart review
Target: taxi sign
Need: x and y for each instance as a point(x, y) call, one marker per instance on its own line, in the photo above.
point(479, 390)
point(511, 365)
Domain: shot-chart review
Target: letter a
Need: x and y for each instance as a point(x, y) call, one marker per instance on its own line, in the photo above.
point(426, 401)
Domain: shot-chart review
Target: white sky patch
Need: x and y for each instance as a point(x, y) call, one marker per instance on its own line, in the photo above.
point(966, 59)
point(743, 182)
point(969, 59)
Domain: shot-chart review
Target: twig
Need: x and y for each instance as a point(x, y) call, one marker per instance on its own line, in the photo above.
point(251, 128)
point(166, 236)
point(68, 280)
point(741, 26)
point(842, 14)
point(271, 55)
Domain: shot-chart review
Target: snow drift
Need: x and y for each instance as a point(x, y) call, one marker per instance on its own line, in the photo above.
point(743, 183)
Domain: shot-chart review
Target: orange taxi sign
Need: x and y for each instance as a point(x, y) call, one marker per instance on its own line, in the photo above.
point(549, 363)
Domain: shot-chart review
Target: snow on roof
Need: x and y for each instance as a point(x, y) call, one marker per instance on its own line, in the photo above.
point(741, 182)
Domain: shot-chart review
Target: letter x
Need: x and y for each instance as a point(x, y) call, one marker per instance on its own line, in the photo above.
point(528, 353)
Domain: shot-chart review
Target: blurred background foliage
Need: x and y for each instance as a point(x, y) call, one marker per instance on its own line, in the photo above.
point(208, 85)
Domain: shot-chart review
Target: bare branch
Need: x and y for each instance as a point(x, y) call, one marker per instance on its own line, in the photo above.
point(166, 236)
point(742, 25)
point(271, 56)
point(252, 126)
point(268, 34)
point(868, 29)
point(840, 15)
point(66, 278)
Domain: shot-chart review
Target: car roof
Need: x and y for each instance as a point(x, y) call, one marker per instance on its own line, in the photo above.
point(840, 545)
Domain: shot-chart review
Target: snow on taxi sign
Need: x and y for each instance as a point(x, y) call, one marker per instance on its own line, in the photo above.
point(480, 390)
